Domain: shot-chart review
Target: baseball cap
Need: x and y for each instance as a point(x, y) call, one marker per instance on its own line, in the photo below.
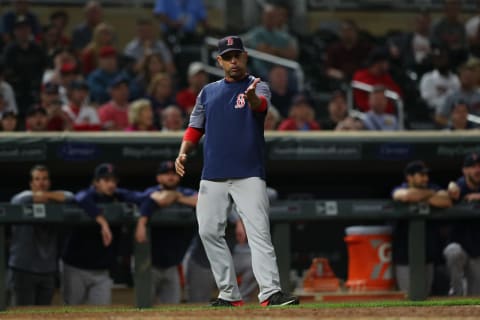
point(166, 166)
point(119, 79)
point(107, 51)
point(68, 67)
point(376, 55)
point(471, 159)
point(104, 170)
point(416, 166)
point(9, 114)
point(230, 43)
point(50, 88)
point(194, 68)
point(36, 110)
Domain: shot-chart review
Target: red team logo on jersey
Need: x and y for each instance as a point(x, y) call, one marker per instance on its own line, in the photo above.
point(240, 101)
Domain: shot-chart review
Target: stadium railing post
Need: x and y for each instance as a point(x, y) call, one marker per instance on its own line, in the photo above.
point(3, 301)
point(143, 273)
point(416, 259)
point(281, 243)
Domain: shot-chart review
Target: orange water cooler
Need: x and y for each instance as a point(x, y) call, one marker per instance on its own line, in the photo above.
point(369, 258)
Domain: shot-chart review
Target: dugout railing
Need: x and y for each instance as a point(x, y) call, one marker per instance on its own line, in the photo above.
point(282, 213)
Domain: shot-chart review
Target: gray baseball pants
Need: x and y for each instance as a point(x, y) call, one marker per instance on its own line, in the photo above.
point(200, 283)
point(82, 286)
point(464, 271)
point(215, 201)
point(166, 285)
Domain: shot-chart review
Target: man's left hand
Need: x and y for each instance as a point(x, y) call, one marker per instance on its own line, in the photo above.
point(251, 95)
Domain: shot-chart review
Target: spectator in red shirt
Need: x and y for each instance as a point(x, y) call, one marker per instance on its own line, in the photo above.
point(50, 101)
point(80, 115)
point(376, 73)
point(197, 79)
point(301, 117)
point(114, 114)
point(37, 119)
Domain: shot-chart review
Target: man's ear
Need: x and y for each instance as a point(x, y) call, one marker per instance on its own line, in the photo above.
point(219, 61)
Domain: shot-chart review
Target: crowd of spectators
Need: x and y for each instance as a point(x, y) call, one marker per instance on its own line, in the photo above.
point(86, 81)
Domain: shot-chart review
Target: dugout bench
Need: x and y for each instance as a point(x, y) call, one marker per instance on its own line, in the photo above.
point(282, 214)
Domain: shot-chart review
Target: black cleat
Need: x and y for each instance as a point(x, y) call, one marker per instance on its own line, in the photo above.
point(219, 302)
point(280, 299)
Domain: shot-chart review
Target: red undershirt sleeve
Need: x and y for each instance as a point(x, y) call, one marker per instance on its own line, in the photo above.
point(193, 134)
point(263, 104)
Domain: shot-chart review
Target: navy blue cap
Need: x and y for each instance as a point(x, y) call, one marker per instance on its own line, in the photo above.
point(104, 170)
point(471, 159)
point(9, 114)
point(36, 110)
point(50, 88)
point(416, 166)
point(230, 43)
point(119, 80)
point(166, 166)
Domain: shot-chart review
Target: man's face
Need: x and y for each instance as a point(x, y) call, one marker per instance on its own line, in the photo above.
point(172, 119)
point(9, 123)
point(168, 180)
point(78, 96)
point(418, 180)
point(37, 122)
point(22, 32)
point(48, 98)
point(145, 31)
point(234, 64)
point(472, 173)
point(40, 180)
point(120, 93)
point(378, 102)
point(106, 185)
point(108, 63)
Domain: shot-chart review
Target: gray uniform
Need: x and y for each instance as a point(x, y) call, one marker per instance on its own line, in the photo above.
point(200, 283)
point(33, 259)
point(233, 173)
point(464, 271)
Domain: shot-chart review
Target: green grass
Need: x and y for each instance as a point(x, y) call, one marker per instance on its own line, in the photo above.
point(186, 307)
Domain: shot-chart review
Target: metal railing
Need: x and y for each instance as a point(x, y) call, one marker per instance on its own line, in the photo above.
point(473, 118)
point(290, 64)
point(282, 214)
point(392, 95)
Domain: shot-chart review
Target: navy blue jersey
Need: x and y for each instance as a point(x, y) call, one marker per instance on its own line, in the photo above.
point(400, 235)
point(467, 232)
point(234, 145)
point(84, 248)
point(169, 243)
point(464, 188)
